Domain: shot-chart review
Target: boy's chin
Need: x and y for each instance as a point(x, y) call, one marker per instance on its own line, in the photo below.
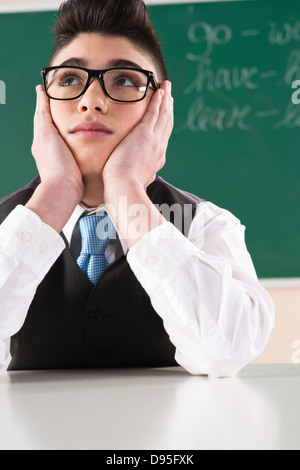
point(91, 164)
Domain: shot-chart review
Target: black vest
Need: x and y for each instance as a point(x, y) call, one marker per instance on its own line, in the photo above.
point(73, 324)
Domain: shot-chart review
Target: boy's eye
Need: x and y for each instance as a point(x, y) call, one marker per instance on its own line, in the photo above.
point(125, 81)
point(69, 80)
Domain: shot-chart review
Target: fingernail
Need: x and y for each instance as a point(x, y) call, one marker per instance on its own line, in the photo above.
point(170, 86)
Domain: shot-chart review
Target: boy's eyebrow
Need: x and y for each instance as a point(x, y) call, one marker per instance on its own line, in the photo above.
point(76, 62)
point(124, 63)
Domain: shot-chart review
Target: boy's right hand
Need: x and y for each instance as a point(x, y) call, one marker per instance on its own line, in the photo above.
point(52, 155)
point(61, 185)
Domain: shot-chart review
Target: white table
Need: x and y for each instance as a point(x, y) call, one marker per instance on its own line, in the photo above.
point(150, 409)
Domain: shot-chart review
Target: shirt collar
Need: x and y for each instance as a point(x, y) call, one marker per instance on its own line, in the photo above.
point(81, 209)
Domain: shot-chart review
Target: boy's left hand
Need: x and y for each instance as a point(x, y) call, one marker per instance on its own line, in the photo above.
point(143, 151)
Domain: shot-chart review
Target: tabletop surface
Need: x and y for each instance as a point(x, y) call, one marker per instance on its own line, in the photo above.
point(150, 409)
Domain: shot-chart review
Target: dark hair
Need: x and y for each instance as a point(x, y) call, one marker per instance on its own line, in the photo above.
point(126, 18)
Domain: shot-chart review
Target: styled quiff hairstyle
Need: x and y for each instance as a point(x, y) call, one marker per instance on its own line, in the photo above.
point(126, 18)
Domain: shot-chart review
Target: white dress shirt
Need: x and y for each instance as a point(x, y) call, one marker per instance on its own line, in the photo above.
point(204, 286)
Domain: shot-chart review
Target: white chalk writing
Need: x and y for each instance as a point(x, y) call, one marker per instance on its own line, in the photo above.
point(221, 81)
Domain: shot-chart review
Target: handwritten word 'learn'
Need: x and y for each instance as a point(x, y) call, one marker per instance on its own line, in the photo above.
point(202, 117)
point(2, 92)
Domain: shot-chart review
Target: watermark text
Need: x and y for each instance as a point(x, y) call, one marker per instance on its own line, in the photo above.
point(136, 221)
point(295, 359)
point(296, 94)
point(2, 92)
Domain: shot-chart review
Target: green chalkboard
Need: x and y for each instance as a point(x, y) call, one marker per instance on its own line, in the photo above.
point(236, 140)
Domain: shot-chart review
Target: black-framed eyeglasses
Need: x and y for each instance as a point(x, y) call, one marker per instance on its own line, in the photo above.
point(124, 85)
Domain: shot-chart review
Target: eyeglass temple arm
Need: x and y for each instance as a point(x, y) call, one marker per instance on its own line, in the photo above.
point(153, 82)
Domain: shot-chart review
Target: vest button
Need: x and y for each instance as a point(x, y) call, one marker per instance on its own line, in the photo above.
point(100, 355)
point(95, 318)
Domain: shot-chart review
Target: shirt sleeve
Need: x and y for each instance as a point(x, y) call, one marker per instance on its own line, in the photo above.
point(28, 249)
point(205, 289)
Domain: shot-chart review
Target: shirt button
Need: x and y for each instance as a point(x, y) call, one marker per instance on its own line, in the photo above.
point(43, 248)
point(26, 236)
point(152, 260)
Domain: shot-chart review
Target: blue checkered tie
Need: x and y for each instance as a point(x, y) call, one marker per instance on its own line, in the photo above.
point(96, 232)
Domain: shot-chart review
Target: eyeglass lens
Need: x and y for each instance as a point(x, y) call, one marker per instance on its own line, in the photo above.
point(122, 85)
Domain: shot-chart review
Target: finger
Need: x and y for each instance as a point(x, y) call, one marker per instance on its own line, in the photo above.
point(165, 120)
point(152, 114)
point(165, 124)
point(39, 96)
point(170, 122)
point(168, 104)
point(42, 101)
point(42, 106)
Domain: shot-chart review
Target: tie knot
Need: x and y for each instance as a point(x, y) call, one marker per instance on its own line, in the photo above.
point(96, 232)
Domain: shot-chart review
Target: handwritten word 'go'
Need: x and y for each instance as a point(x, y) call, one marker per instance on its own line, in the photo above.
point(203, 33)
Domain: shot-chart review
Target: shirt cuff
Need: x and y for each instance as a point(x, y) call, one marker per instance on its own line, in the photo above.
point(32, 242)
point(160, 253)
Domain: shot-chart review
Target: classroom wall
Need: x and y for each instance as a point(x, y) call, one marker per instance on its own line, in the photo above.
point(283, 345)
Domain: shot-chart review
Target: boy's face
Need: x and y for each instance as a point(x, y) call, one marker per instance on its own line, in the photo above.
point(92, 150)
